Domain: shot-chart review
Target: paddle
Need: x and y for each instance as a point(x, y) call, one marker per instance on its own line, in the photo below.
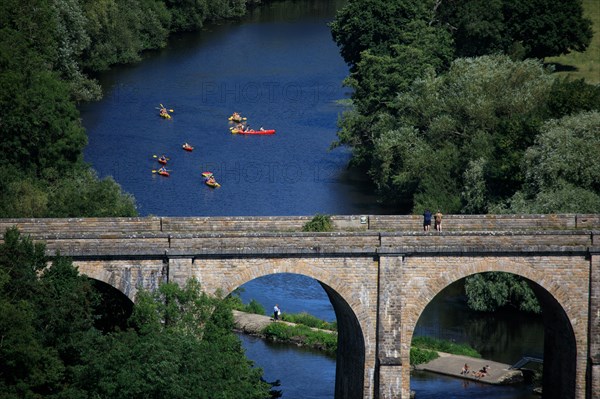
point(156, 171)
point(170, 110)
point(156, 156)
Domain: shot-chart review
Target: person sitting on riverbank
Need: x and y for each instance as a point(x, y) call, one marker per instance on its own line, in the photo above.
point(483, 372)
point(465, 369)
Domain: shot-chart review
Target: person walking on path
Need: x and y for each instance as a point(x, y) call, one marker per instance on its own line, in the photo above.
point(276, 312)
point(438, 220)
point(426, 220)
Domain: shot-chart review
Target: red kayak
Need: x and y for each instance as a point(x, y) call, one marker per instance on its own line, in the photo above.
point(163, 173)
point(187, 147)
point(252, 131)
point(162, 161)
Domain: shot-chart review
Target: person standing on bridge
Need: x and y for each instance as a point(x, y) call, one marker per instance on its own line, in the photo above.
point(438, 220)
point(276, 312)
point(426, 220)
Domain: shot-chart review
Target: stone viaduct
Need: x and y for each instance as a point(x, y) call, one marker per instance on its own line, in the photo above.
point(378, 271)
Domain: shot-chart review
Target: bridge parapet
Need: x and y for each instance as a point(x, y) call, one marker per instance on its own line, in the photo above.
point(350, 223)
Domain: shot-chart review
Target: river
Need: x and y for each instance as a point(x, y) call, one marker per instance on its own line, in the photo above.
point(279, 67)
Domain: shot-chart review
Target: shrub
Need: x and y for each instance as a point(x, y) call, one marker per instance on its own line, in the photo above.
point(319, 223)
point(420, 356)
point(441, 345)
point(310, 321)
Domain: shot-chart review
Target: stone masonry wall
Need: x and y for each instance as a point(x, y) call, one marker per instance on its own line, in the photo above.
point(594, 358)
point(353, 278)
point(565, 278)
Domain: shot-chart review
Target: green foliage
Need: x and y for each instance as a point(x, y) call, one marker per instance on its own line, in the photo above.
point(121, 29)
point(183, 348)
point(182, 345)
point(310, 321)
point(420, 356)
point(84, 193)
point(561, 168)
point(570, 97)
point(75, 194)
point(319, 223)
point(482, 109)
point(302, 335)
point(440, 345)
point(254, 307)
point(535, 29)
point(487, 292)
point(44, 316)
point(375, 25)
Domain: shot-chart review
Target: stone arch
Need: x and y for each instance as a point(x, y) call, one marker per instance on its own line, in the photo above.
point(564, 311)
point(116, 307)
point(351, 313)
point(126, 276)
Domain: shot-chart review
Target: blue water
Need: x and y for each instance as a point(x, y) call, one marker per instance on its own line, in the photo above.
point(280, 68)
point(280, 74)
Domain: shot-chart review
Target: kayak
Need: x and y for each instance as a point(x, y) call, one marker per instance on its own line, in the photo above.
point(252, 131)
point(212, 184)
point(166, 116)
point(187, 147)
point(162, 161)
point(163, 173)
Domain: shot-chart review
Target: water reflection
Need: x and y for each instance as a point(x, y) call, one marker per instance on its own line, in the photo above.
point(503, 336)
point(304, 374)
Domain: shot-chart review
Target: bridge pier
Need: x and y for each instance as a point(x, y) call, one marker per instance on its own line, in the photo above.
point(593, 374)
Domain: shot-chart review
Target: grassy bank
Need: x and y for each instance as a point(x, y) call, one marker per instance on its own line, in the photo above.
point(303, 336)
point(425, 349)
point(583, 65)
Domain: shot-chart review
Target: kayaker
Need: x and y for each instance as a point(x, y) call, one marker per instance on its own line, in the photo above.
point(162, 170)
point(163, 111)
point(211, 180)
point(162, 159)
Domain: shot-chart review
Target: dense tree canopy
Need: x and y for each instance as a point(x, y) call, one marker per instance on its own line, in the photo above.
point(377, 25)
point(180, 344)
point(524, 29)
point(433, 135)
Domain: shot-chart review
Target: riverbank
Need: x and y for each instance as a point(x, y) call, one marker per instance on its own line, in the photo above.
point(451, 365)
point(446, 364)
point(255, 325)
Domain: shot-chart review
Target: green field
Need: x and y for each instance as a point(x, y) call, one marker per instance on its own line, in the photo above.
point(583, 65)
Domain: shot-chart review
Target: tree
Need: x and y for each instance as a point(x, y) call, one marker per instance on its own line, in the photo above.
point(486, 108)
point(561, 168)
point(376, 25)
point(522, 29)
point(547, 28)
point(182, 347)
point(488, 292)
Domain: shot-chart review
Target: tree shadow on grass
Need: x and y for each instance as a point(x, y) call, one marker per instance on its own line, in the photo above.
point(558, 67)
